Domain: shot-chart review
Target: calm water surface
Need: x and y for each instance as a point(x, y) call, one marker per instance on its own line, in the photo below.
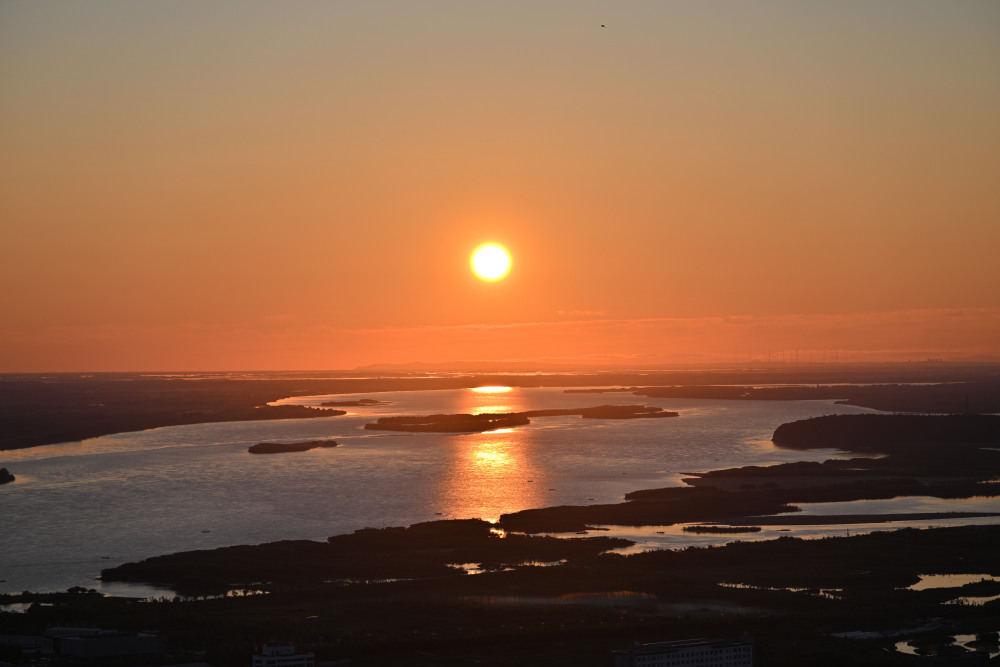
point(79, 507)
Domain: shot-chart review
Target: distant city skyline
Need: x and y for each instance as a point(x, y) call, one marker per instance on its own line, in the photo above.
point(247, 185)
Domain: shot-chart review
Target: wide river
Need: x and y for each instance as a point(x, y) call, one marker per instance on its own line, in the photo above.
point(78, 507)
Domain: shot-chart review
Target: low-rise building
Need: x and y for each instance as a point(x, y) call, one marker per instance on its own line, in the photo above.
point(28, 645)
point(689, 653)
point(86, 643)
point(283, 656)
point(109, 645)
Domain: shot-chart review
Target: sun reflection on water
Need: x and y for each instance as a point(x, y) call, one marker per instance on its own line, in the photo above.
point(493, 456)
point(495, 409)
point(493, 400)
point(491, 474)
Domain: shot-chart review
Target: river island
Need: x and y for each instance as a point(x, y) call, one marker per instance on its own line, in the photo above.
point(283, 447)
point(466, 423)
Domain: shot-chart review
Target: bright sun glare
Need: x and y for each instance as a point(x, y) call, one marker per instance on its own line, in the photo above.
point(490, 261)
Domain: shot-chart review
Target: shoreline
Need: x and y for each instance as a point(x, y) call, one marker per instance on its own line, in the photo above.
point(771, 496)
point(762, 505)
point(848, 519)
point(43, 410)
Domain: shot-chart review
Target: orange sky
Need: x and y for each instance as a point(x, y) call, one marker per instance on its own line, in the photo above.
point(259, 185)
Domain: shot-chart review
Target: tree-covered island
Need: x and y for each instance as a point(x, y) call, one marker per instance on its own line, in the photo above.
point(466, 423)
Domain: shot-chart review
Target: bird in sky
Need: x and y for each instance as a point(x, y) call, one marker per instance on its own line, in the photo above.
point(603, 26)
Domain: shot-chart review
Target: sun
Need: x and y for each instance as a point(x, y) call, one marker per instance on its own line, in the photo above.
point(490, 262)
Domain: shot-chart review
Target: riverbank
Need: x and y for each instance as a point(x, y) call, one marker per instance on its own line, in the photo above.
point(37, 409)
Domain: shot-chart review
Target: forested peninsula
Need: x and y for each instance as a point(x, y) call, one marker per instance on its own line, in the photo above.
point(885, 433)
point(431, 549)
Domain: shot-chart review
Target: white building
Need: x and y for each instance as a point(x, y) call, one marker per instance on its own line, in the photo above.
point(283, 656)
point(28, 645)
point(689, 653)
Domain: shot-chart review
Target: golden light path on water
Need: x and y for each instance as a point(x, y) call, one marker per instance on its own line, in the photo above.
point(491, 399)
point(496, 463)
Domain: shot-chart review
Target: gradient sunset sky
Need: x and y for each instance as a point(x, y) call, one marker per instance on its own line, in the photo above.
point(298, 185)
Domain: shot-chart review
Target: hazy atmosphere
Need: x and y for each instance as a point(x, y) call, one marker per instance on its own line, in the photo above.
point(236, 185)
point(523, 332)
